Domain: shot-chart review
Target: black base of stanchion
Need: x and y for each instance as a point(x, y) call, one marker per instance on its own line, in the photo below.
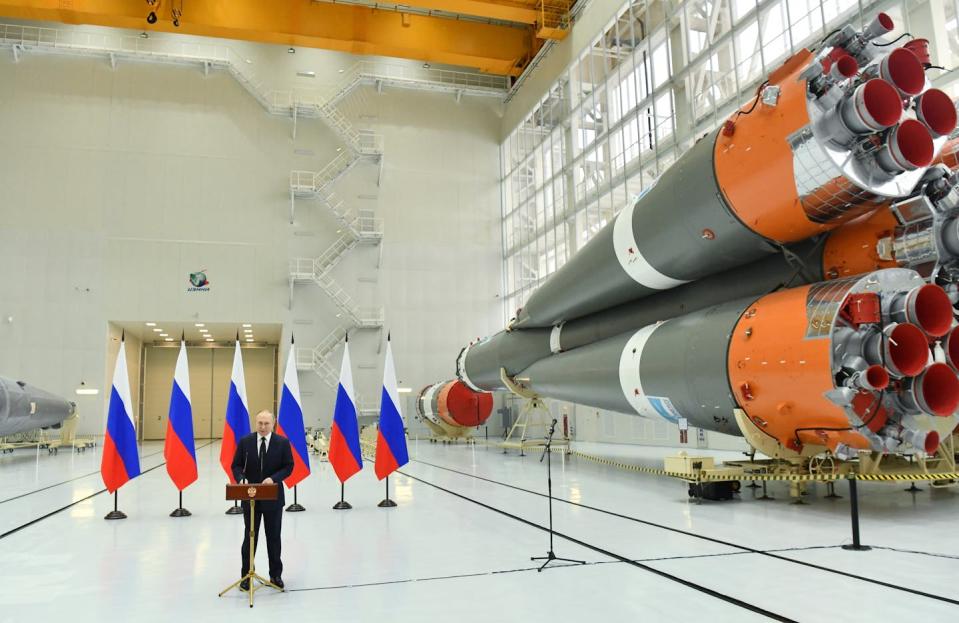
point(856, 548)
point(116, 515)
point(342, 505)
point(551, 557)
point(234, 510)
point(180, 512)
point(295, 508)
point(912, 488)
point(387, 503)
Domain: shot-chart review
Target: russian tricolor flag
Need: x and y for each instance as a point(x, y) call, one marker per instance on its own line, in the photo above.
point(391, 451)
point(120, 461)
point(179, 450)
point(289, 422)
point(344, 453)
point(237, 422)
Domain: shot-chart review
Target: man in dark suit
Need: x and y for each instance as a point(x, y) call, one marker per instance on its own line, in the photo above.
point(263, 457)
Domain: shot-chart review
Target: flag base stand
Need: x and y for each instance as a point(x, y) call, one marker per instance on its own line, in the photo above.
point(180, 511)
point(342, 504)
point(115, 514)
point(387, 503)
point(234, 510)
point(295, 507)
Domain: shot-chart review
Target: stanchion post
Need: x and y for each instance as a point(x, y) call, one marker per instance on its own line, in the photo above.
point(854, 513)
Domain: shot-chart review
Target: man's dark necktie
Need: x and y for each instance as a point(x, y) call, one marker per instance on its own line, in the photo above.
point(262, 455)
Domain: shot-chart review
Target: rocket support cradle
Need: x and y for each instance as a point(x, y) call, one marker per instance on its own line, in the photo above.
point(825, 176)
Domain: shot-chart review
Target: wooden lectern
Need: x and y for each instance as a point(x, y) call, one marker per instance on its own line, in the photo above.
point(252, 493)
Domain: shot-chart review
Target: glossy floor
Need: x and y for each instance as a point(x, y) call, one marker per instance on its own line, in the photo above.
point(458, 546)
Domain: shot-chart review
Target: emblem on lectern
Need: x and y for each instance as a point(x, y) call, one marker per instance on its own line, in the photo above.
point(251, 492)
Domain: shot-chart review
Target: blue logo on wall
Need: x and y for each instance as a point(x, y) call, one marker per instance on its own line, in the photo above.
point(199, 282)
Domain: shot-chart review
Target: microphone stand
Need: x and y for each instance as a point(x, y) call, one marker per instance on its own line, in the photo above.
point(550, 556)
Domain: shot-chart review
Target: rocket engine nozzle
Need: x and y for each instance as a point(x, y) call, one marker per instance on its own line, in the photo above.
point(873, 106)
point(937, 111)
point(927, 306)
point(908, 147)
point(904, 71)
point(934, 391)
point(903, 348)
point(927, 441)
point(876, 377)
point(844, 67)
point(880, 25)
point(951, 346)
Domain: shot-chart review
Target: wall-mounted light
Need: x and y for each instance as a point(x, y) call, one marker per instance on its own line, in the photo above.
point(290, 51)
point(403, 390)
point(426, 65)
point(83, 390)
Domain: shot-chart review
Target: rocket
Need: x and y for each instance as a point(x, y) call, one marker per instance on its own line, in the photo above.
point(24, 407)
point(450, 407)
point(800, 265)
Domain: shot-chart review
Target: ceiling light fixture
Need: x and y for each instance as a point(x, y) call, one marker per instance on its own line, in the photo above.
point(199, 324)
point(249, 339)
point(246, 326)
point(151, 324)
point(158, 330)
point(169, 339)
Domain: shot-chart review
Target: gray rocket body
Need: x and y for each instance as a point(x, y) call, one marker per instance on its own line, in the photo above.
point(681, 230)
point(518, 349)
point(24, 407)
point(663, 370)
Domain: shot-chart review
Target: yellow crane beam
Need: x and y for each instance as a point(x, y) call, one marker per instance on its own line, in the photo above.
point(519, 12)
point(492, 48)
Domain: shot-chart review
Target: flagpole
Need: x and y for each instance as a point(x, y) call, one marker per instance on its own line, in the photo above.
point(342, 504)
point(387, 503)
point(180, 511)
point(295, 507)
point(115, 513)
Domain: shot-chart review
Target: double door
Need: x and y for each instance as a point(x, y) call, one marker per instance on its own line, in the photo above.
point(210, 370)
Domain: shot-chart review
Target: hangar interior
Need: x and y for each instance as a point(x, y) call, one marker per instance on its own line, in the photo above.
point(265, 180)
